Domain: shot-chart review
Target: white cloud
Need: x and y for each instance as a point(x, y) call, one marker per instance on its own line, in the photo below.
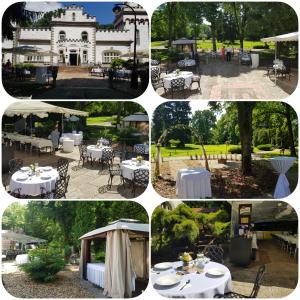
point(43, 6)
point(198, 105)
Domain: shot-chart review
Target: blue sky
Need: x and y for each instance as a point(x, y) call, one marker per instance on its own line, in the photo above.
point(101, 10)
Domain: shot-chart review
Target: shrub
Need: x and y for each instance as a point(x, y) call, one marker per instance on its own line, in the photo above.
point(44, 264)
point(265, 147)
point(174, 143)
point(130, 136)
point(236, 149)
point(265, 46)
point(117, 63)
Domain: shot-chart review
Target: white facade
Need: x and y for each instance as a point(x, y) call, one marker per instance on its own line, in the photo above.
point(73, 35)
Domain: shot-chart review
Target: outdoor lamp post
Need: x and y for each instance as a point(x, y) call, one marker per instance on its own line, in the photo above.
point(134, 78)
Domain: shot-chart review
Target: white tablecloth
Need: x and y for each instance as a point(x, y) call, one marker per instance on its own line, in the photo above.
point(188, 76)
point(22, 259)
point(128, 167)
point(201, 285)
point(193, 183)
point(187, 63)
point(145, 147)
point(40, 75)
point(95, 274)
point(282, 164)
point(289, 238)
point(76, 137)
point(96, 153)
point(32, 185)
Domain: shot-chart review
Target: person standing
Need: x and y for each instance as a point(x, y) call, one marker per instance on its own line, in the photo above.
point(228, 53)
point(223, 53)
point(54, 136)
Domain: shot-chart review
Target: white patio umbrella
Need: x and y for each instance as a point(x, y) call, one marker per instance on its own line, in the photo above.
point(288, 37)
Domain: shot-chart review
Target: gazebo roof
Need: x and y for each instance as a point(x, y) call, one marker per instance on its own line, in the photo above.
point(20, 237)
point(137, 117)
point(183, 41)
point(288, 37)
point(122, 224)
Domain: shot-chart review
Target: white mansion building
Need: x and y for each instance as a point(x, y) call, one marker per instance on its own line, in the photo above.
point(75, 38)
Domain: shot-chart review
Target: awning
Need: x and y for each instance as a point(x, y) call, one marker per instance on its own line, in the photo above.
point(289, 37)
point(26, 108)
point(20, 237)
point(29, 50)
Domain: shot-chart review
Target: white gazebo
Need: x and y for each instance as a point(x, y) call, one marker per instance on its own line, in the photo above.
point(126, 257)
point(186, 46)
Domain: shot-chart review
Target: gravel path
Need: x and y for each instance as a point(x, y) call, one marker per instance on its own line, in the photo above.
point(67, 285)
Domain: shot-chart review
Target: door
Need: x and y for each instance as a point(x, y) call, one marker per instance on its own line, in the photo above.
point(73, 59)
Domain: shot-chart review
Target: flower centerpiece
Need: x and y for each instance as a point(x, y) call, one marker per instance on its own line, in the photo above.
point(177, 72)
point(139, 159)
point(186, 260)
point(32, 167)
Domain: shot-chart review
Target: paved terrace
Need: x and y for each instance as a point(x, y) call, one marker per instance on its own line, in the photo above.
point(87, 182)
point(230, 80)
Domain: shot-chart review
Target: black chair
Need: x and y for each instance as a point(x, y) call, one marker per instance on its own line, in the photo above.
point(113, 171)
point(107, 157)
point(215, 253)
point(62, 167)
point(140, 178)
point(15, 165)
point(258, 280)
point(60, 190)
point(178, 85)
point(287, 70)
point(139, 149)
point(84, 156)
point(155, 80)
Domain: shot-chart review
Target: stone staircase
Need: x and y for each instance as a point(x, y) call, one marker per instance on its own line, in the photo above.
point(73, 69)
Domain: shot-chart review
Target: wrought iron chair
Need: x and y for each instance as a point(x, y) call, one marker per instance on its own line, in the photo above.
point(178, 85)
point(107, 157)
point(155, 79)
point(60, 190)
point(139, 149)
point(113, 171)
point(140, 178)
point(215, 253)
point(62, 167)
point(84, 156)
point(257, 283)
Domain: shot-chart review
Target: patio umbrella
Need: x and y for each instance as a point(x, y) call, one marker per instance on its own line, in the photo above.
point(22, 50)
point(288, 37)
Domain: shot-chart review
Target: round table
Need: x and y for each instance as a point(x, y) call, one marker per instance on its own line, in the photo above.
point(186, 63)
point(188, 77)
point(22, 259)
point(201, 285)
point(193, 183)
point(96, 153)
point(129, 166)
point(282, 164)
point(33, 184)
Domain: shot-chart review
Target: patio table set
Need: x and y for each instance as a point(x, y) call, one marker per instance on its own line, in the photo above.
point(172, 280)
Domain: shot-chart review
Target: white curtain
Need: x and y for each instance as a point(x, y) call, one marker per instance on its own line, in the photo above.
point(118, 265)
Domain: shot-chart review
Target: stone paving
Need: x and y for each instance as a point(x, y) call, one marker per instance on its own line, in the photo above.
point(230, 80)
point(86, 182)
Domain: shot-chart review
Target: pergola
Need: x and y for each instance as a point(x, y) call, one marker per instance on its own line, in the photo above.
point(126, 256)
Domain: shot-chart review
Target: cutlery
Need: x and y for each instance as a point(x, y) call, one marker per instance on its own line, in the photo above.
point(186, 283)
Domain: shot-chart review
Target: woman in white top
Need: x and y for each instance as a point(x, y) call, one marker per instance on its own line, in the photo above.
point(54, 136)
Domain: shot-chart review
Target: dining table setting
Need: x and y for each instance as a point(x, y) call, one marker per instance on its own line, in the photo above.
point(129, 166)
point(188, 77)
point(31, 179)
point(188, 278)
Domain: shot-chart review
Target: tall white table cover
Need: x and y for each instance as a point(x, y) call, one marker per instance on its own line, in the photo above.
point(201, 285)
point(193, 183)
point(95, 274)
point(22, 259)
point(96, 153)
point(40, 75)
point(188, 77)
point(282, 164)
point(128, 167)
point(76, 137)
point(32, 185)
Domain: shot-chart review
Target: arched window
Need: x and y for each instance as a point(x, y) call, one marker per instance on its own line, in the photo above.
point(109, 55)
point(73, 16)
point(138, 38)
point(84, 36)
point(62, 35)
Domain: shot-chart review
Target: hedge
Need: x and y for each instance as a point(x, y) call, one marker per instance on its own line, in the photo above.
point(265, 147)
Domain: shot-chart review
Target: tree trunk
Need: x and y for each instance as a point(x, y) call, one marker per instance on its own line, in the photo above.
point(245, 126)
point(290, 129)
point(213, 36)
point(171, 16)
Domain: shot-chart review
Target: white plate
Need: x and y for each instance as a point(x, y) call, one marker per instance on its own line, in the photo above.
point(48, 168)
point(163, 266)
point(45, 177)
point(168, 280)
point(25, 169)
point(215, 272)
point(22, 177)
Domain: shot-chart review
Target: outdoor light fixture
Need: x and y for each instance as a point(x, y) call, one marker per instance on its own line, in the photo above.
point(116, 10)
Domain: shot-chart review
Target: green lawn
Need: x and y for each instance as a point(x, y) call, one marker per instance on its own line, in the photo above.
point(192, 149)
point(100, 120)
point(207, 44)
